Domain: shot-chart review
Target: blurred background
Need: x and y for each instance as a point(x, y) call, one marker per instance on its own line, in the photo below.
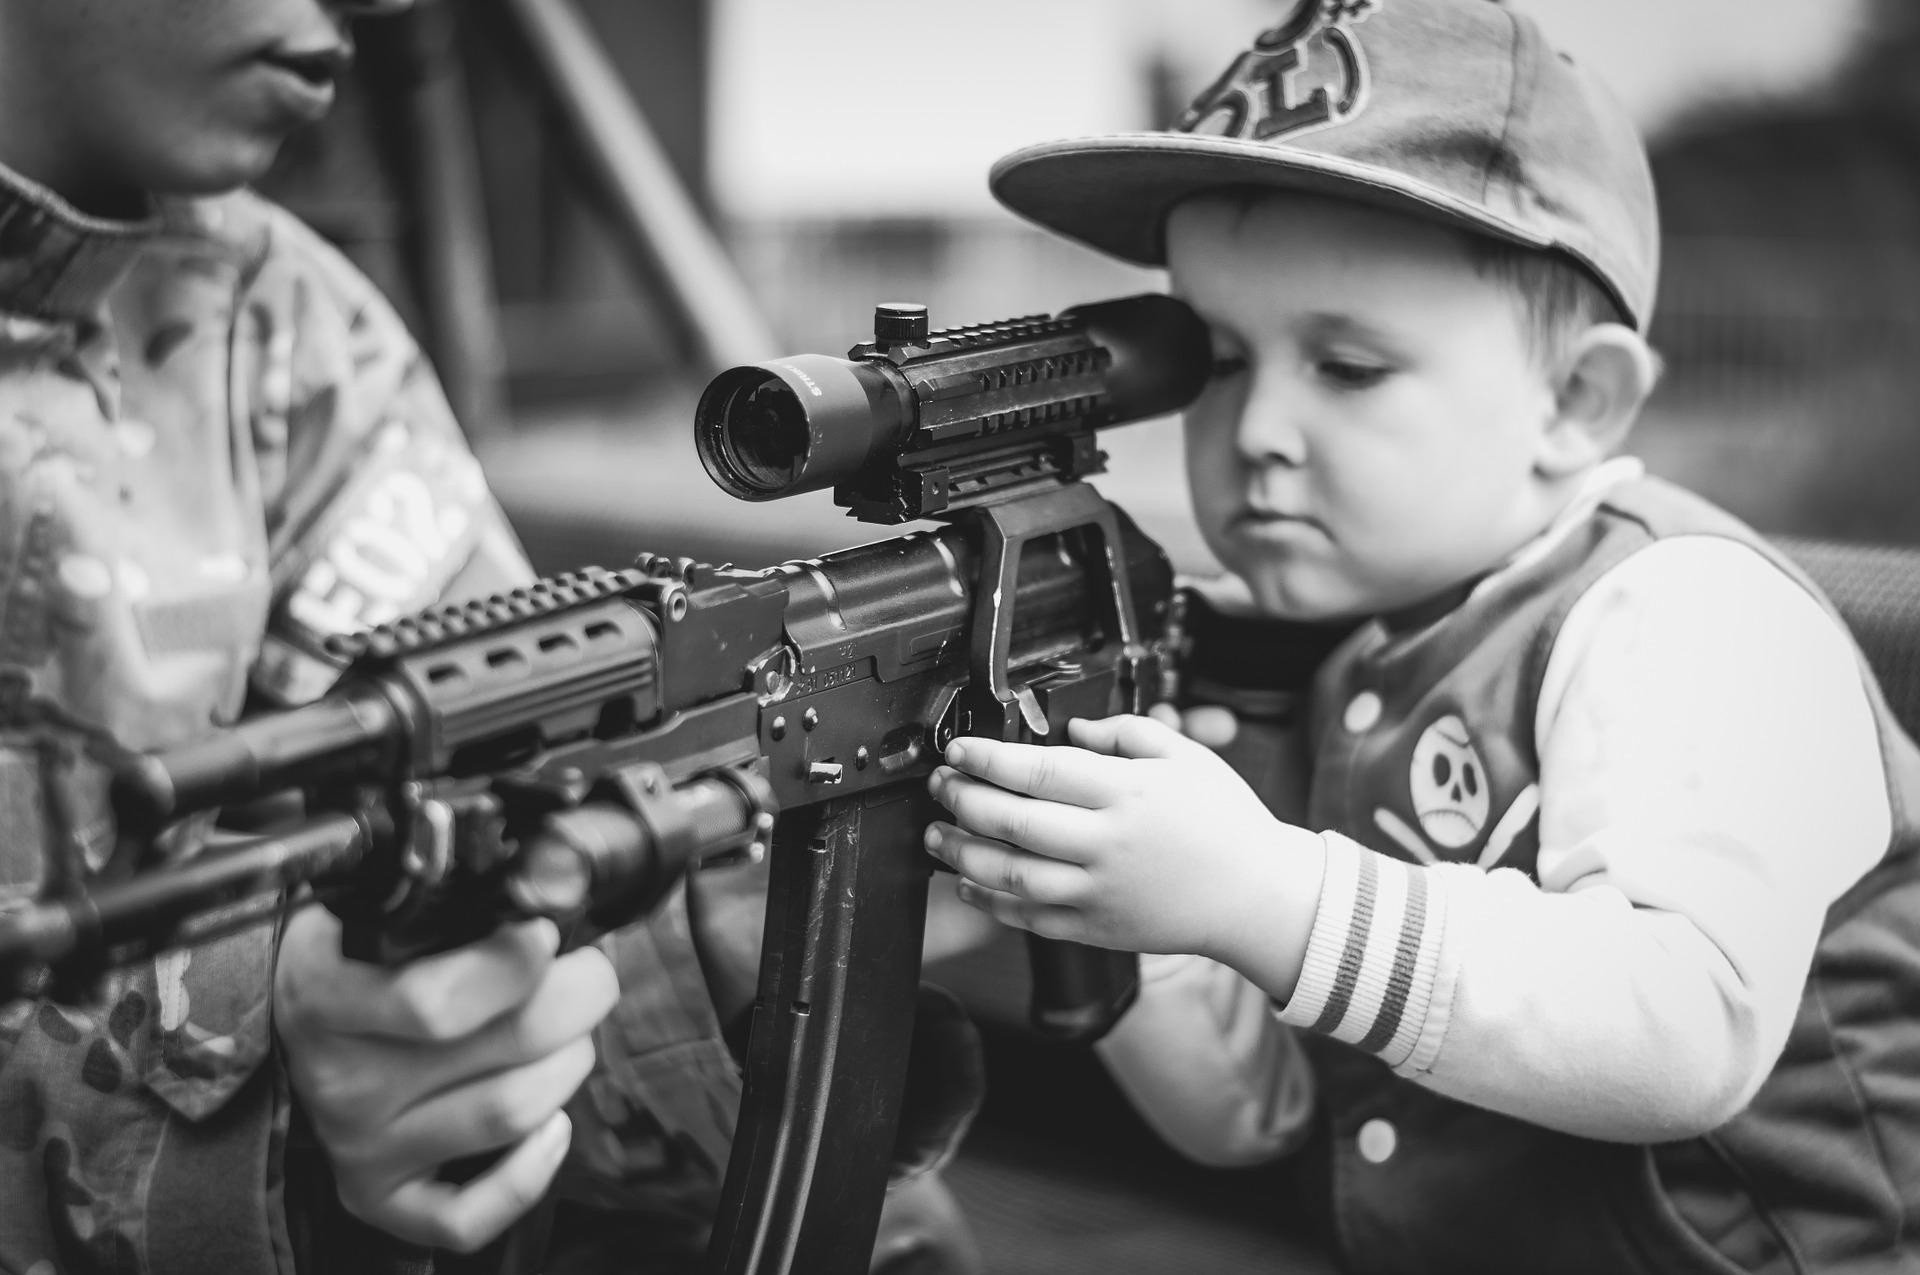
point(588, 207)
point(834, 154)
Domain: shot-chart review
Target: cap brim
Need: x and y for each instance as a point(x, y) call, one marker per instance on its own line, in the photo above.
point(1115, 192)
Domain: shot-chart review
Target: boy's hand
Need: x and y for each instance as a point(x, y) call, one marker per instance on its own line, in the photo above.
point(1214, 725)
point(401, 1071)
point(1139, 839)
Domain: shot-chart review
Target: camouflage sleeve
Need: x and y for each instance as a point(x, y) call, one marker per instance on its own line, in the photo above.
point(376, 507)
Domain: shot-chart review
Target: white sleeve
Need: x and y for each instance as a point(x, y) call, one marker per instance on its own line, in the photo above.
point(1711, 781)
point(1206, 1063)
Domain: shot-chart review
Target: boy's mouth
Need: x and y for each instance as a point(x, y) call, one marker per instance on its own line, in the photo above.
point(318, 67)
point(1257, 511)
point(1259, 522)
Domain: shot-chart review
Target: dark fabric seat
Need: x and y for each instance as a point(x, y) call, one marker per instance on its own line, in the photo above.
point(1877, 588)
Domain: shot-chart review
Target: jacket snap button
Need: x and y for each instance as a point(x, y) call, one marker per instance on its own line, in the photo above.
point(1363, 710)
point(1377, 1141)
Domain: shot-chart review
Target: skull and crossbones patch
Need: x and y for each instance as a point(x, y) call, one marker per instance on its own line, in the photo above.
point(1448, 783)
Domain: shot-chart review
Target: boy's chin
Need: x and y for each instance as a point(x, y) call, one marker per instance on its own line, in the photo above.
point(235, 167)
point(1324, 591)
point(216, 166)
point(1304, 599)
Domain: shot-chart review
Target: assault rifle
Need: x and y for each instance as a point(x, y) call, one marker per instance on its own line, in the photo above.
point(569, 749)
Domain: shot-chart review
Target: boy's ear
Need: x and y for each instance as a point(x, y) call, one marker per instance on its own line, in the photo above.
point(1606, 375)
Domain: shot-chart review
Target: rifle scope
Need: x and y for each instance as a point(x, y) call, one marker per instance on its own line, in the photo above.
point(915, 422)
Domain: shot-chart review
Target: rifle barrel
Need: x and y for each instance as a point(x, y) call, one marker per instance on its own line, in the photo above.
point(181, 905)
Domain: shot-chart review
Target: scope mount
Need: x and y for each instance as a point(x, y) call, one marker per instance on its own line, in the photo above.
point(1047, 406)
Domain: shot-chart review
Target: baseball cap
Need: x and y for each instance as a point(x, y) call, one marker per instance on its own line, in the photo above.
point(1455, 111)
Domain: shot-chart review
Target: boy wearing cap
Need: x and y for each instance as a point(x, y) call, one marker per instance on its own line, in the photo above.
point(1595, 946)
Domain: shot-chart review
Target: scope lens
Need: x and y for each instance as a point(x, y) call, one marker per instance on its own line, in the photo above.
point(763, 444)
point(805, 423)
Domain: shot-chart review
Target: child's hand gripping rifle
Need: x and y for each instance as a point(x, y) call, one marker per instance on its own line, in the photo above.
point(569, 749)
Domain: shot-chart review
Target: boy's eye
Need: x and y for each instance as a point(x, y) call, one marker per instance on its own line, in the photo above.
point(1347, 374)
point(1226, 365)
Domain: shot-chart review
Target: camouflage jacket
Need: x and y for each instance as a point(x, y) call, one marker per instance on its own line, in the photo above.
point(217, 445)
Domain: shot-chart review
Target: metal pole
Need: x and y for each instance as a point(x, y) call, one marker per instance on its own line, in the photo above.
point(450, 241)
point(661, 221)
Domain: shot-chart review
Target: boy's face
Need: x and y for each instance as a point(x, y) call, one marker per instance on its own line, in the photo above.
point(106, 100)
point(1379, 446)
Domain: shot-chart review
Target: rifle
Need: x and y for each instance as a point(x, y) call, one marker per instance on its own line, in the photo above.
point(569, 749)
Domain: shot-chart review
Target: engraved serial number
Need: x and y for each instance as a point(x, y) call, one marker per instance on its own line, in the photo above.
point(827, 679)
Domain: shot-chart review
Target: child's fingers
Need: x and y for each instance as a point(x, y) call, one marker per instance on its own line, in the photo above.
point(464, 1217)
point(482, 1115)
point(438, 998)
point(1211, 724)
point(1046, 827)
point(1128, 736)
point(1005, 869)
point(1049, 922)
point(1214, 725)
point(1067, 775)
point(349, 1091)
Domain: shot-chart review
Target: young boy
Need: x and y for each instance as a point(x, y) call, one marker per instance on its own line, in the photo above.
point(217, 446)
point(1597, 945)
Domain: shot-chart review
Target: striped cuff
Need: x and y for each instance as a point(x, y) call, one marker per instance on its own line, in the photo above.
point(1369, 972)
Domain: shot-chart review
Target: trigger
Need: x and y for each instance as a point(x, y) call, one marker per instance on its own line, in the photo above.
point(1030, 710)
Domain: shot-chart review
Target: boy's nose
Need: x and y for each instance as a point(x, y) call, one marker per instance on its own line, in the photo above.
point(1270, 430)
